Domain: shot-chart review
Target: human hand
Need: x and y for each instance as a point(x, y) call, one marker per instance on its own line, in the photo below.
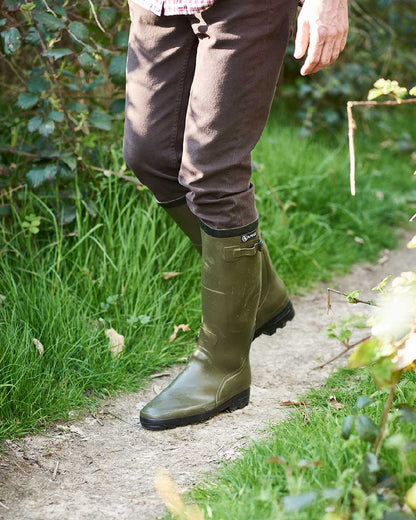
point(322, 31)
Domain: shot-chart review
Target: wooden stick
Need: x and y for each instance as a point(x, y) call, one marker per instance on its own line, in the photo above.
point(352, 127)
point(353, 300)
point(346, 349)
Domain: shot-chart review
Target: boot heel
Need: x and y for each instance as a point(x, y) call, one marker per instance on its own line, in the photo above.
point(277, 322)
point(239, 401)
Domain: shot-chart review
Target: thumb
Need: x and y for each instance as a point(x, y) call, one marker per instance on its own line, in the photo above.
point(302, 39)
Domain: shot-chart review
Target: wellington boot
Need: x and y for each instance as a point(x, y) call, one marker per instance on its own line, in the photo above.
point(275, 308)
point(217, 376)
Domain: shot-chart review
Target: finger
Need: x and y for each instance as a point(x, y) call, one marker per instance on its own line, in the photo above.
point(343, 40)
point(314, 55)
point(302, 39)
point(336, 51)
point(326, 56)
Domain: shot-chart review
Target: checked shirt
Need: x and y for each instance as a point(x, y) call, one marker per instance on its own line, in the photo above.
point(172, 7)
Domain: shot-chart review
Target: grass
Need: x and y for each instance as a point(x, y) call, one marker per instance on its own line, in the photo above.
point(67, 284)
point(316, 458)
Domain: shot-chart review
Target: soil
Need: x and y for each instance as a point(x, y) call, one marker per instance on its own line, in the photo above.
point(102, 467)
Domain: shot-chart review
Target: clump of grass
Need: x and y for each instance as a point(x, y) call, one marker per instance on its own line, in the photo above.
point(64, 286)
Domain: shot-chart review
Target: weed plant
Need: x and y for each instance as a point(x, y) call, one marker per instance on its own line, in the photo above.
point(65, 285)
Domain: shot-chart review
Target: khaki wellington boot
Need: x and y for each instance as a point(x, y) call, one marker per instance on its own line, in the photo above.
point(275, 308)
point(217, 376)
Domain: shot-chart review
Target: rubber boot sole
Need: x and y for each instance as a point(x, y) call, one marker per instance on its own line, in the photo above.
point(238, 401)
point(277, 322)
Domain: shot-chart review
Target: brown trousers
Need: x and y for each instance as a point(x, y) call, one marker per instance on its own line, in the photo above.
point(199, 91)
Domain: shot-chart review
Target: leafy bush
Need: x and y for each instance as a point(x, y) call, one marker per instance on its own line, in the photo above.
point(65, 64)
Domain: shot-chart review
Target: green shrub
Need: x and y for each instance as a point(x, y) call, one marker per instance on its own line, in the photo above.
point(65, 64)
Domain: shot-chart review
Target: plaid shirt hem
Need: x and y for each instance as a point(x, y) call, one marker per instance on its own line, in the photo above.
point(174, 7)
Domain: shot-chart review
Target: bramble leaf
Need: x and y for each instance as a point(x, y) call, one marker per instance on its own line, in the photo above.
point(79, 31)
point(101, 120)
point(361, 403)
point(50, 22)
point(46, 127)
point(368, 471)
point(34, 123)
point(27, 100)
point(57, 54)
point(347, 427)
point(117, 68)
point(37, 85)
point(107, 16)
point(366, 428)
point(39, 175)
point(11, 40)
point(56, 116)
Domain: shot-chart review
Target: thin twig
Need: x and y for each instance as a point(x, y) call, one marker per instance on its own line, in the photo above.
point(352, 127)
point(18, 152)
point(14, 69)
point(4, 505)
point(346, 349)
point(55, 471)
point(382, 434)
point(350, 300)
point(95, 16)
point(413, 218)
point(48, 8)
point(116, 416)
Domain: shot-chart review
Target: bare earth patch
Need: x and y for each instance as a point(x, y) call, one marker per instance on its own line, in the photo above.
point(103, 466)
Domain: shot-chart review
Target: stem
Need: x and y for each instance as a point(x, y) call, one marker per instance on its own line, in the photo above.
point(352, 127)
point(95, 16)
point(346, 349)
point(353, 300)
point(387, 405)
point(18, 152)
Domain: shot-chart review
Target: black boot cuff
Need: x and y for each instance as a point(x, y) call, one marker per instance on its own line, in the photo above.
point(224, 233)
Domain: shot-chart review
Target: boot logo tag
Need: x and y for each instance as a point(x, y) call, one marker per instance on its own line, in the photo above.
point(248, 236)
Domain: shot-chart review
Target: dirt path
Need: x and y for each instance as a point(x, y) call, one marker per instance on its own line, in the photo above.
point(102, 468)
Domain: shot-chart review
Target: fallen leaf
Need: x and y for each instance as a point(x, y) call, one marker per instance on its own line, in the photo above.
point(310, 463)
point(170, 274)
point(177, 328)
point(276, 460)
point(294, 403)
point(116, 341)
point(332, 401)
point(39, 346)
